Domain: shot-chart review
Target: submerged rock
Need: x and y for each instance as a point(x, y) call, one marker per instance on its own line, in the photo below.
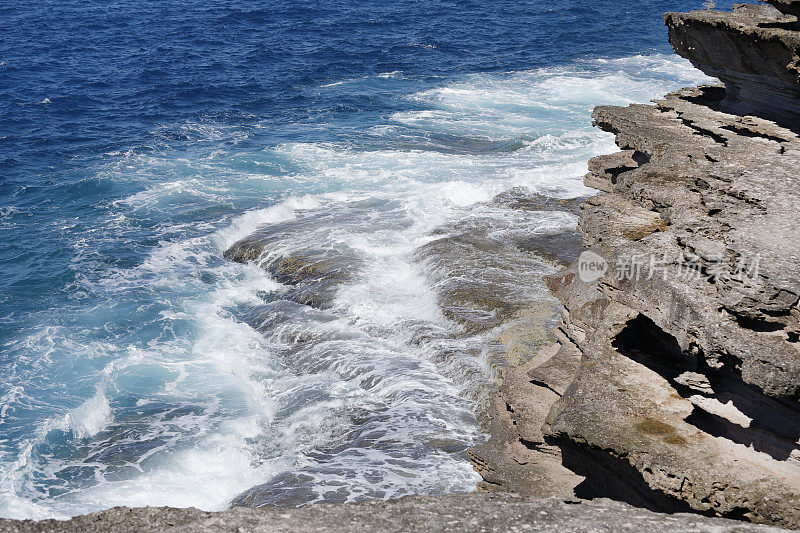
point(488, 268)
point(523, 199)
point(561, 248)
point(483, 281)
point(313, 271)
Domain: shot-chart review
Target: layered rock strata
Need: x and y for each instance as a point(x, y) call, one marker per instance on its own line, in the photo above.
point(676, 381)
point(754, 51)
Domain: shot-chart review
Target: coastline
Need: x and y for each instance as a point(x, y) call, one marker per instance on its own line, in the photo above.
point(465, 512)
point(674, 385)
point(599, 408)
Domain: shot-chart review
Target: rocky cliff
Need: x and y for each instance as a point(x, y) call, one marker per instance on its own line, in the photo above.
point(754, 51)
point(676, 380)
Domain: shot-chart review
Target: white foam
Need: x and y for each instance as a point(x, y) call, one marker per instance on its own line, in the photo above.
point(246, 224)
point(393, 291)
point(91, 417)
point(206, 475)
point(229, 407)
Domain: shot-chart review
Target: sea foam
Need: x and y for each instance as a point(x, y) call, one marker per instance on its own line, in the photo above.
point(179, 378)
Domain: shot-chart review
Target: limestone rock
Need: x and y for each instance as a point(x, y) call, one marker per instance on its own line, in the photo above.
point(691, 367)
point(517, 457)
point(687, 385)
point(465, 512)
point(754, 51)
point(680, 313)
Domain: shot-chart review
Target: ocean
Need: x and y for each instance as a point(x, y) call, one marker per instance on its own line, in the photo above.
point(140, 140)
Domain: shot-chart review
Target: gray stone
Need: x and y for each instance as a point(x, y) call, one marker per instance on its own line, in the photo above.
point(467, 512)
point(754, 51)
point(686, 392)
point(790, 7)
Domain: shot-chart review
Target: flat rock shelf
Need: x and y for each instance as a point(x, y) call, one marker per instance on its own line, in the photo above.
point(468, 512)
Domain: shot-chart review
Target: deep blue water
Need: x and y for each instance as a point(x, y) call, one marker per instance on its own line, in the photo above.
point(139, 139)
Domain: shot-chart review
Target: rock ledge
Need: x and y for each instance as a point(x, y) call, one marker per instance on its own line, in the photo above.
point(676, 380)
point(467, 512)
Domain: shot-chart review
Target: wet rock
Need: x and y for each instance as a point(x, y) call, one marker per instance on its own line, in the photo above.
point(488, 268)
point(465, 512)
point(524, 199)
point(314, 275)
point(529, 331)
point(561, 248)
point(312, 272)
point(483, 279)
point(285, 490)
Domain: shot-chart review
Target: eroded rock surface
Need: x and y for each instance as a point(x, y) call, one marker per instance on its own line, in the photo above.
point(754, 51)
point(676, 381)
point(467, 512)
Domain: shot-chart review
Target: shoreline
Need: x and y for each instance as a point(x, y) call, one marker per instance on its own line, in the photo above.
point(674, 386)
point(467, 512)
point(670, 391)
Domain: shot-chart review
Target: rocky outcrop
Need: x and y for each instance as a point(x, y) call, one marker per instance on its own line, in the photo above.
point(677, 380)
point(789, 7)
point(754, 51)
point(311, 272)
point(674, 384)
point(468, 512)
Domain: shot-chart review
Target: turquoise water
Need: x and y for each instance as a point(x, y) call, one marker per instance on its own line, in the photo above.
point(140, 140)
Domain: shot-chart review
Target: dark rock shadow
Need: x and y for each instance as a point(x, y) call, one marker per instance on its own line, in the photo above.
point(612, 477)
point(775, 425)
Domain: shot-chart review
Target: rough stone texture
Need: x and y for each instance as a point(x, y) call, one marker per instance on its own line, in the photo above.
point(754, 51)
point(116, 520)
point(686, 392)
point(468, 512)
point(790, 7)
point(528, 391)
point(722, 190)
point(691, 366)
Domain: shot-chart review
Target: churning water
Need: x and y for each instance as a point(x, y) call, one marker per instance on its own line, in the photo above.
point(140, 140)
